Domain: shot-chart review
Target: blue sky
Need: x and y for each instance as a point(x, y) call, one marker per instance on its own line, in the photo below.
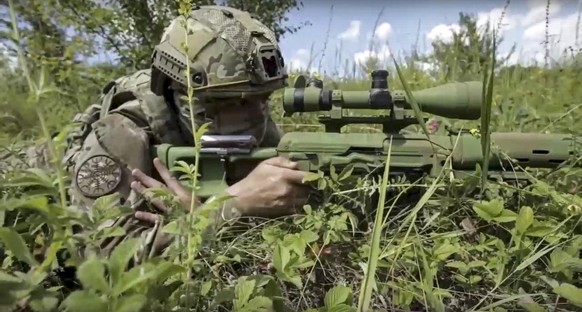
point(401, 23)
point(353, 22)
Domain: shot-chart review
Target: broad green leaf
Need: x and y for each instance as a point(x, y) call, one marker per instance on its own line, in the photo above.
point(243, 292)
point(342, 308)
point(309, 236)
point(106, 202)
point(473, 279)
point(8, 280)
point(476, 263)
point(530, 306)
point(91, 273)
point(83, 301)
point(303, 264)
point(346, 172)
point(461, 266)
point(489, 209)
point(121, 255)
point(444, 251)
point(130, 303)
point(13, 289)
point(14, 242)
point(32, 177)
point(39, 204)
point(259, 304)
point(550, 281)
point(570, 292)
point(338, 295)
point(225, 295)
point(539, 230)
point(271, 233)
point(333, 173)
point(461, 278)
point(505, 216)
point(322, 184)
point(524, 219)
point(172, 227)
point(558, 257)
point(135, 277)
point(311, 176)
point(47, 303)
point(296, 280)
point(272, 290)
point(281, 257)
point(205, 288)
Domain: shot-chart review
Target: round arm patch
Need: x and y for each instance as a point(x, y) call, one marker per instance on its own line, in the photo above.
point(97, 176)
point(115, 146)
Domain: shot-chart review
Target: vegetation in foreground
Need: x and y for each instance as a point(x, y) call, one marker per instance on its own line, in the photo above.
point(513, 248)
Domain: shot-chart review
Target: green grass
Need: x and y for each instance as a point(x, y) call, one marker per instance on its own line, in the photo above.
point(503, 247)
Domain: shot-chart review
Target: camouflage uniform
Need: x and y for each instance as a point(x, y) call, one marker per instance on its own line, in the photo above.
point(234, 58)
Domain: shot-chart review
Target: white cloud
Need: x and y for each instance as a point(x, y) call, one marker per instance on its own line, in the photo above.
point(443, 32)
point(537, 12)
point(353, 32)
point(383, 31)
point(561, 32)
point(498, 18)
point(381, 54)
point(300, 61)
point(533, 35)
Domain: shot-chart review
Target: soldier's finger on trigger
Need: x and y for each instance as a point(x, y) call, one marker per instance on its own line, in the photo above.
point(158, 203)
point(281, 162)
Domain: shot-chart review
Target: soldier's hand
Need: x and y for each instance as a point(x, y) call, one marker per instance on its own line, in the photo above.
point(143, 183)
point(274, 188)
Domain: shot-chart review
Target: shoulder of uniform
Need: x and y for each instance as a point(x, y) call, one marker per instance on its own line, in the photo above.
point(134, 111)
point(138, 80)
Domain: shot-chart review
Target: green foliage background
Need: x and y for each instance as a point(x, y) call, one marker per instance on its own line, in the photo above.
point(516, 247)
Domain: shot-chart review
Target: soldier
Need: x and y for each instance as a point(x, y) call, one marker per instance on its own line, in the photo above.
point(236, 64)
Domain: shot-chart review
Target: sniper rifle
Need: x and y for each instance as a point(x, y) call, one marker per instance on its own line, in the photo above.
point(227, 159)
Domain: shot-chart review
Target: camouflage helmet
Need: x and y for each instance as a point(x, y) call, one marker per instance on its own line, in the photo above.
point(231, 55)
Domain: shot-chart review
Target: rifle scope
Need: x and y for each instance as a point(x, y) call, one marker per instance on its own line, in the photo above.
point(453, 100)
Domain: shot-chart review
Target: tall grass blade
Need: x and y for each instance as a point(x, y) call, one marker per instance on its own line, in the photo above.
point(369, 277)
point(413, 103)
point(488, 79)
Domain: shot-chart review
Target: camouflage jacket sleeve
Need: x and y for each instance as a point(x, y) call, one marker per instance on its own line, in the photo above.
point(117, 144)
